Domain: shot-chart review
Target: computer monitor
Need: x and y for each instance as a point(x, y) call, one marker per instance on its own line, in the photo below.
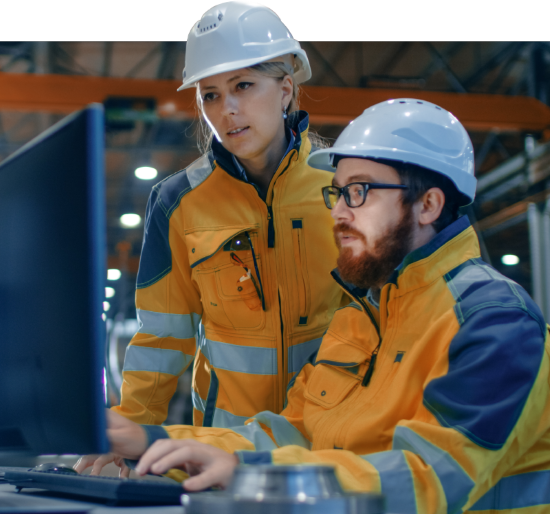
point(52, 280)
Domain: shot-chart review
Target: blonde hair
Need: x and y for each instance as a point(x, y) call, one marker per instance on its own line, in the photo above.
point(277, 70)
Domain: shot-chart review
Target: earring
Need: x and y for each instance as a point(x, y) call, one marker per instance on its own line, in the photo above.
point(285, 115)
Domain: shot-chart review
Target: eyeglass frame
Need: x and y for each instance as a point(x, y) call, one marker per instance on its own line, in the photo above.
point(344, 191)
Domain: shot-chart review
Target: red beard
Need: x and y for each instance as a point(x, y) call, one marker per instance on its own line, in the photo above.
point(374, 268)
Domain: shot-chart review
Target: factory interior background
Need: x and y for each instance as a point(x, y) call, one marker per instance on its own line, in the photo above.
point(500, 91)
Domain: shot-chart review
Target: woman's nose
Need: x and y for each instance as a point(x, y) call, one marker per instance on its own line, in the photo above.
point(230, 105)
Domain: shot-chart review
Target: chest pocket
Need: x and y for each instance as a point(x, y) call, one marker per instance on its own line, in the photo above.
point(339, 369)
point(329, 385)
point(218, 278)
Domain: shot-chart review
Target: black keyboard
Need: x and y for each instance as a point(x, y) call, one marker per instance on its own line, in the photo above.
point(114, 490)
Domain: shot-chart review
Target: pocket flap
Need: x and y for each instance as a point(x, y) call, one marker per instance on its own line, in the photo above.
point(338, 353)
point(328, 386)
point(204, 243)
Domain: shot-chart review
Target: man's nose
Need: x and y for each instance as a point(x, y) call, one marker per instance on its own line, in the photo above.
point(341, 211)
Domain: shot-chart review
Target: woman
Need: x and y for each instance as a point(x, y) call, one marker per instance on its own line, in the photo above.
point(234, 240)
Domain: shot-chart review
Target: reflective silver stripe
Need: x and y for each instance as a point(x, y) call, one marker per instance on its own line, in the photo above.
point(299, 353)
point(199, 171)
point(283, 431)
point(224, 419)
point(255, 434)
point(517, 492)
point(140, 358)
point(160, 324)
point(396, 480)
point(456, 483)
point(198, 402)
point(242, 359)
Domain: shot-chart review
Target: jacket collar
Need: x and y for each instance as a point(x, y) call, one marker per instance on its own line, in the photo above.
point(454, 245)
point(297, 129)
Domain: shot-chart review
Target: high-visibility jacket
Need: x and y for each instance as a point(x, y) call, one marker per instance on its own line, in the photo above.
point(455, 416)
point(243, 359)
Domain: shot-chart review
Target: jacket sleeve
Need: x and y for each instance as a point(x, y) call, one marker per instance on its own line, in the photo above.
point(169, 311)
point(485, 406)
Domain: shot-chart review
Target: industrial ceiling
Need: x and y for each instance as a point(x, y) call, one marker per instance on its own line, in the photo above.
point(499, 90)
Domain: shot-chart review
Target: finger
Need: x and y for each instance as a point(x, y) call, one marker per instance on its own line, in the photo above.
point(157, 451)
point(84, 462)
point(101, 462)
point(181, 458)
point(215, 476)
point(124, 471)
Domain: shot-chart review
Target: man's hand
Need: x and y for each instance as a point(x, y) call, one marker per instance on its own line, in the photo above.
point(98, 462)
point(128, 440)
point(207, 465)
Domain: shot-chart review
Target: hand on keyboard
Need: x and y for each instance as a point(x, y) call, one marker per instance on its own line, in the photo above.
point(207, 465)
point(98, 462)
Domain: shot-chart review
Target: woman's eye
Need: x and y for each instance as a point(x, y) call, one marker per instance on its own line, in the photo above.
point(244, 85)
point(208, 97)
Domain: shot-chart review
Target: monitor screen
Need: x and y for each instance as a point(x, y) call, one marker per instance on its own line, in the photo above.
point(52, 280)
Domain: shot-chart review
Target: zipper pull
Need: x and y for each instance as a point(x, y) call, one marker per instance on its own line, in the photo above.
point(370, 369)
point(270, 228)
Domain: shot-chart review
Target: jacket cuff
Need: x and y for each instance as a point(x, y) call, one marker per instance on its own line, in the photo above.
point(249, 457)
point(153, 433)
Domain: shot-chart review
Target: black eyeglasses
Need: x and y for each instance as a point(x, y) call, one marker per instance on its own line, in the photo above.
point(355, 193)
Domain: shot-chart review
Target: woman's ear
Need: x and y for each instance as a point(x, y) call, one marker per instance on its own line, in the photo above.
point(287, 88)
point(431, 205)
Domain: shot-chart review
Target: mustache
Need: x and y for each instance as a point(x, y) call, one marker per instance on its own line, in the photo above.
point(343, 229)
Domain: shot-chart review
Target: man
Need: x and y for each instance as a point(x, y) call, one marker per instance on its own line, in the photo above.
point(433, 385)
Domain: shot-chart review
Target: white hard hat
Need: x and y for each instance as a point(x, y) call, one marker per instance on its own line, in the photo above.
point(410, 131)
point(236, 35)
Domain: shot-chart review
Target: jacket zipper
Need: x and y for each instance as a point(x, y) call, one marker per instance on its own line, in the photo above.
point(271, 244)
point(299, 256)
point(270, 228)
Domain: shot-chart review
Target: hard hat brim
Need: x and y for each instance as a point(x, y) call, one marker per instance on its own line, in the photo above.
point(301, 75)
point(466, 184)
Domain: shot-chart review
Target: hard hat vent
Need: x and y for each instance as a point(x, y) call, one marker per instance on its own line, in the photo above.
point(209, 22)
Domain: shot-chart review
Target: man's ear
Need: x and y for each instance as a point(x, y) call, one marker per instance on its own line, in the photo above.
point(431, 205)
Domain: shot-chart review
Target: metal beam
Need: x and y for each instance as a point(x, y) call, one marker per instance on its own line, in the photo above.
point(327, 66)
point(450, 51)
point(168, 60)
point(449, 73)
point(107, 58)
point(534, 218)
point(508, 168)
point(491, 63)
point(387, 67)
point(326, 105)
point(507, 66)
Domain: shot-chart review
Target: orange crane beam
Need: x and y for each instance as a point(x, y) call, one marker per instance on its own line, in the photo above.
point(326, 105)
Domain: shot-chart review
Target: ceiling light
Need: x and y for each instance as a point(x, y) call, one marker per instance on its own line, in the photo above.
point(130, 220)
point(510, 260)
point(113, 274)
point(109, 292)
point(106, 306)
point(146, 173)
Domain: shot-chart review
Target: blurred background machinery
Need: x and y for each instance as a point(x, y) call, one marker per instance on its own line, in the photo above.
point(500, 91)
